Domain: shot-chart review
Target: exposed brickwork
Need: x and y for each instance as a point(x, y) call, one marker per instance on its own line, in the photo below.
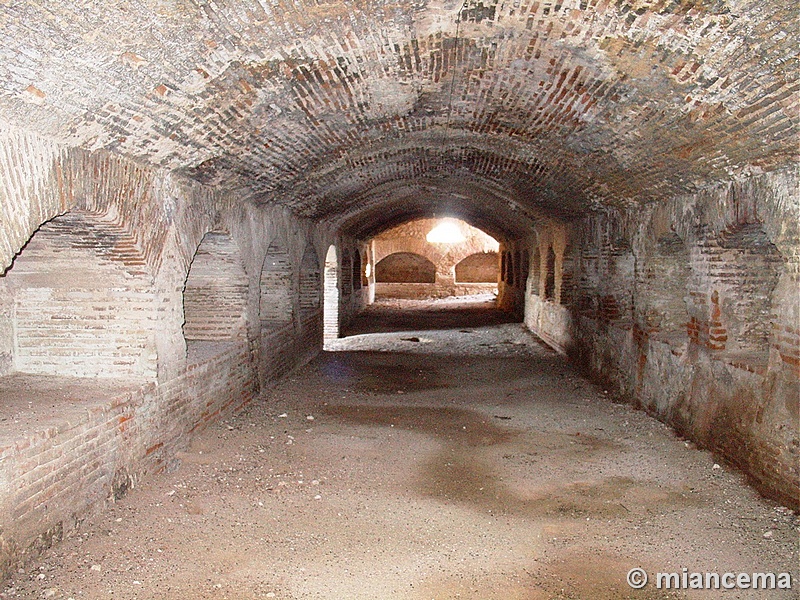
point(636, 160)
point(81, 302)
point(405, 255)
point(99, 293)
point(405, 267)
point(713, 349)
point(481, 267)
point(332, 295)
point(551, 103)
point(347, 273)
point(77, 462)
point(310, 283)
point(275, 304)
point(215, 295)
point(31, 172)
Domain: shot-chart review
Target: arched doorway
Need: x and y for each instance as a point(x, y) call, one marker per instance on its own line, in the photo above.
point(330, 329)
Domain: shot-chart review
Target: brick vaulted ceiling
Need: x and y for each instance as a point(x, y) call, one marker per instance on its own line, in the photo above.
point(368, 112)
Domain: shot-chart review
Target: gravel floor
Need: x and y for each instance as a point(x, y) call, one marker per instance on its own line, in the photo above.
point(453, 456)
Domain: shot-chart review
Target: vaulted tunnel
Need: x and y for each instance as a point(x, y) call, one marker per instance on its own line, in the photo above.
point(191, 194)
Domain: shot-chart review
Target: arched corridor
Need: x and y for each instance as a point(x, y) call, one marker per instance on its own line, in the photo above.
point(213, 213)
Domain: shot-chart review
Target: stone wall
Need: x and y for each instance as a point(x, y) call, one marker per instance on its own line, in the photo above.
point(691, 310)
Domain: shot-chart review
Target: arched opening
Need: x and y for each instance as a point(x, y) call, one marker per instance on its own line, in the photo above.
point(536, 272)
point(330, 329)
point(480, 267)
point(78, 301)
point(405, 267)
point(357, 271)
point(736, 273)
point(309, 288)
point(550, 275)
point(214, 297)
point(347, 273)
point(275, 301)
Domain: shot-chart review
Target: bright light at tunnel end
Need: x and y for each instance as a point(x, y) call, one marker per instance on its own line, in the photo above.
point(446, 232)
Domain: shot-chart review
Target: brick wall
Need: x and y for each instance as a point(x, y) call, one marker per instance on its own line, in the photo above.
point(690, 310)
point(310, 288)
point(76, 461)
point(275, 304)
point(31, 188)
point(481, 267)
point(215, 294)
point(408, 266)
point(405, 267)
point(92, 329)
point(82, 301)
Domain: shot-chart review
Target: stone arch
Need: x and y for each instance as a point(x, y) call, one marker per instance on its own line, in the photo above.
point(275, 298)
point(215, 292)
point(79, 302)
point(310, 278)
point(330, 329)
point(405, 267)
point(480, 267)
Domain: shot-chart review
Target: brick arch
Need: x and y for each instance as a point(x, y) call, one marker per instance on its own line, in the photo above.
point(480, 267)
point(83, 301)
point(405, 267)
point(310, 282)
point(215, 292)
point(330, 329)
point(276, 290)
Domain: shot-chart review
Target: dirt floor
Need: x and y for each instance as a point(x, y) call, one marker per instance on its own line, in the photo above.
point(467, 461)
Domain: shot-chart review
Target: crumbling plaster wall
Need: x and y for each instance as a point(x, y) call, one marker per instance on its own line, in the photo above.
point(691, 310)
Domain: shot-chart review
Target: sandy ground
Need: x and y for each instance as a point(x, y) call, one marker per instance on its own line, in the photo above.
point(467, 461)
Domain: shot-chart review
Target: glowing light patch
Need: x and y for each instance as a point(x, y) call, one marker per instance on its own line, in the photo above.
point(446, 233)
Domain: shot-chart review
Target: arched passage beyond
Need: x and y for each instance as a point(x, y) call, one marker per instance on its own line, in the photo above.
point(215, 294)
point(405, 267)
point(331, 297)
